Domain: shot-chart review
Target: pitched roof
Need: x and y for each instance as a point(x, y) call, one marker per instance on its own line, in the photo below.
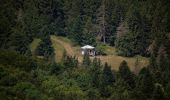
point(87, 47)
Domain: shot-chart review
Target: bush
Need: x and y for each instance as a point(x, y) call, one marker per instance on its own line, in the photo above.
point(26, 90)
point(100, 49)
point(8, 80)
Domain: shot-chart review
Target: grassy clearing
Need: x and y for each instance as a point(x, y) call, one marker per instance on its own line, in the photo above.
point(34, 45)
point(61, 43)
point(115, 61)
point(58, 48)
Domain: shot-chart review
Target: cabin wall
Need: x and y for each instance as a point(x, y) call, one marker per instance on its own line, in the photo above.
point(90, 52)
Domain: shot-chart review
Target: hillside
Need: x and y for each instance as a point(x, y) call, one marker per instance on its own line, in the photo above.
point(62, 43)
point(40, 49)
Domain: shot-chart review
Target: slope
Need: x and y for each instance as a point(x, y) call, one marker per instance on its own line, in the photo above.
point(61, 43)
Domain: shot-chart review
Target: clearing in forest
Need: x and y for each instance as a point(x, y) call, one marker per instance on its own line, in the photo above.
point(61, 43)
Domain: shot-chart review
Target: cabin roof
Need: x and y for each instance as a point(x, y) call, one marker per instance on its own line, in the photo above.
point(87, 47)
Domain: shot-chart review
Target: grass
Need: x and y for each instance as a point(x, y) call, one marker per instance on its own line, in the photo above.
point(61, 43)
point(34, 45)
point(115, 61)
point(58, 48)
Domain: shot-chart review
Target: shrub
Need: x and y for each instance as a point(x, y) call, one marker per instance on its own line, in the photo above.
point(100, 49)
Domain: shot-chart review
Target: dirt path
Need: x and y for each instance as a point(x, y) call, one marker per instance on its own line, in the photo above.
point(70, 49)
point(66, 46)
point(60, 45)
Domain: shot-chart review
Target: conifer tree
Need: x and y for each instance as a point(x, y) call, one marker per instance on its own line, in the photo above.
point(158, 93)
point(96, 72)
point(69, 61)
point(101, 21)
point(108, 77)
point(86, 60)
point(75, 30)
point(145, 82)
point(167, 90)
point(45, 48)
point(126, 74)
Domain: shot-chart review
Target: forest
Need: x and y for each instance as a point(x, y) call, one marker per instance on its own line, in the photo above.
point(132, 27)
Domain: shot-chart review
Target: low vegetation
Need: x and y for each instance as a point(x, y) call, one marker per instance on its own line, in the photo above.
point(23, 77)
point(61, 43)
point(34, 45)
point(40, 56)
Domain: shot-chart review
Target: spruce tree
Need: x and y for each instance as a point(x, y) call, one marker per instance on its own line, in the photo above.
point(126, 74)
point(86, 60)
point(158, 93)
point(145, 82)
point(75, 30)
point(96, 72)
point(101, 21)
point(167, 90)
point(108, 77)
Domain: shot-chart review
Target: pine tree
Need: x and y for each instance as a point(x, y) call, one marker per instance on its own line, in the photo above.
point(69, 61)
point(96, 72)
point(89, 33)
point(101, 21)
point(96, 64)
point(126, 74)
point(86, 60)
point(7, 21)
point(57, 23)
point(108, 77)
point(75, 30)
point(145, 82)
point(167, 90)
point(158, 93)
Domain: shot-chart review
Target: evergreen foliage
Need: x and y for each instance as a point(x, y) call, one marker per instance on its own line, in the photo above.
point(45, 47)
point(145, 82)
point(86, 60)
point(134, 27)
point(158, 93)
point(126, 74)
point(96, 72)
point(108, 77)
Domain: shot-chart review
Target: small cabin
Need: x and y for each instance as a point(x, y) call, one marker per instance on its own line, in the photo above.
point(89, 50)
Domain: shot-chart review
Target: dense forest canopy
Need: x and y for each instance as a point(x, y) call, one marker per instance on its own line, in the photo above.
point(133, 27)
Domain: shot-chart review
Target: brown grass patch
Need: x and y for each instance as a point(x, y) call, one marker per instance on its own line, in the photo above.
point(61, 43)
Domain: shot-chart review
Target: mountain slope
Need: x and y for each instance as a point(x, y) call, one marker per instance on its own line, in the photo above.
point(61, 43)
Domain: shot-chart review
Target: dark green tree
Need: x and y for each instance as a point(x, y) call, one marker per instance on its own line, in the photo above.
point(108, 77)
point(7, 21)
point(70, 62)
point(45, 47)
point(158, 93)
point(86, 60)
point(96, 71)
point(145, 82)
point(126, 74)
point(56, 68)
